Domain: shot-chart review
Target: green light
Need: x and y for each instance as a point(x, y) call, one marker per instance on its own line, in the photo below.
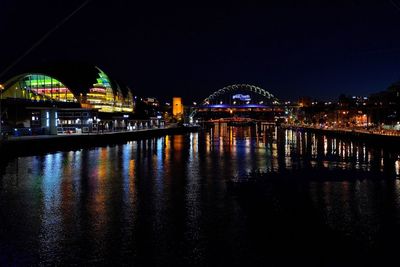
point(103, 80)
point(42, 80)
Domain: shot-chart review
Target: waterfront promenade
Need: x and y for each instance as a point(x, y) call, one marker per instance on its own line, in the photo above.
point(374, 131)
point(45, 143)
point(379, 136)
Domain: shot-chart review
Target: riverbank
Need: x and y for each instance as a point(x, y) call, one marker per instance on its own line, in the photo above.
point(355, 134)
point(29, 145)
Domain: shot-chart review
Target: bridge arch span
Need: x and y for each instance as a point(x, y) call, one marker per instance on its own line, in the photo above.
point(240, 87)
point(238, 100)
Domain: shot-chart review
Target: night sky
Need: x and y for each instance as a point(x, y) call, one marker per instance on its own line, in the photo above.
point(290, 48)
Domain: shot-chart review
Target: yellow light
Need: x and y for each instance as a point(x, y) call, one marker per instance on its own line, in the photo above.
point(177, 107)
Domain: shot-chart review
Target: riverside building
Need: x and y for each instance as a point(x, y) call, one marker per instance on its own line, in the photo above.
point(68, 98)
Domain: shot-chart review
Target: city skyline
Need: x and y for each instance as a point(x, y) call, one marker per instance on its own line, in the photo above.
point(315, 49)
point(232, 133)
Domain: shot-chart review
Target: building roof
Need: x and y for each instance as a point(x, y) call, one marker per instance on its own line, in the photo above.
point(78, 77)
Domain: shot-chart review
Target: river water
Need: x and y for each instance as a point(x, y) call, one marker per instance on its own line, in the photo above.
point(188, 200)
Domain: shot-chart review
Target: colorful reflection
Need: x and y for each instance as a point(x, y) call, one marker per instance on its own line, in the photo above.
point(154, 194)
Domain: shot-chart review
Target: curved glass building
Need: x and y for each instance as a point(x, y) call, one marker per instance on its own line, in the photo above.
point(62, 98)
point(96, 90)
point(37, 87)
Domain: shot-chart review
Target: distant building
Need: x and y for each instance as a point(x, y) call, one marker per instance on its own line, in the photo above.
point(304, 101)
point(177, 106)
point(384, 107)
point(152, 101)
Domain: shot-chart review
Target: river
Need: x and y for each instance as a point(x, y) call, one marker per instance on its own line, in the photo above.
point(188, 200)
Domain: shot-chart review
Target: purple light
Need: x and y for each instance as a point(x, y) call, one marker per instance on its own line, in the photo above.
point(235, 106)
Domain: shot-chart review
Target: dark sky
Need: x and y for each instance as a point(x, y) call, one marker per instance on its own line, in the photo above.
point(290, 48)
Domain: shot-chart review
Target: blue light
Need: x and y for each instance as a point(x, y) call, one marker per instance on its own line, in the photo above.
point(242, 97)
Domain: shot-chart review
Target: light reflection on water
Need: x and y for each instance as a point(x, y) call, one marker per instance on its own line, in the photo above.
point(163, 199)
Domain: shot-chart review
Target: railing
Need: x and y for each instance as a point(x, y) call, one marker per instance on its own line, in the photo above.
point(8, 131)
point(81, 129)
point(376, 131)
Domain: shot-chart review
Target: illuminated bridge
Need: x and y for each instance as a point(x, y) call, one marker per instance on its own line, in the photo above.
point(238, 101)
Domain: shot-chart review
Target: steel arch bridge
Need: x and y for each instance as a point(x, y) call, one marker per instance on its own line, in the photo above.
point(240, 87)
point(238, 100)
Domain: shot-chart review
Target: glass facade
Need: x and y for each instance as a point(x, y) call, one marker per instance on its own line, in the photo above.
point(101, 95)
point(39, 87)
